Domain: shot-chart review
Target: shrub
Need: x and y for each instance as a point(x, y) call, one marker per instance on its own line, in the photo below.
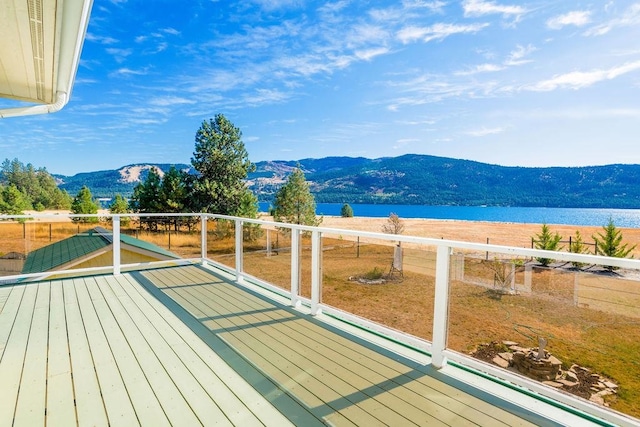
point(547, 241)
point(346, 211)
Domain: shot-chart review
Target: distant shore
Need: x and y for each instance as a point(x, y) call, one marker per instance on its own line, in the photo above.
point(496, 233)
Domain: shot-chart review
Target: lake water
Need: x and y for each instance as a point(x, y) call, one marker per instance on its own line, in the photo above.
point(628, 218)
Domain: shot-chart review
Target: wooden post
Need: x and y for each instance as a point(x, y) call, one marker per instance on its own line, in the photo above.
point(49, 231)
point(358, 248)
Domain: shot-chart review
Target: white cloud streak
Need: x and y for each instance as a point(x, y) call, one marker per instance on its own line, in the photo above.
point(581, 79)
point(437, 31)
point(480, 8)
point(578, 18)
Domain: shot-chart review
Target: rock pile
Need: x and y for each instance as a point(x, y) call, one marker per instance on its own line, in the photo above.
point(544, 367)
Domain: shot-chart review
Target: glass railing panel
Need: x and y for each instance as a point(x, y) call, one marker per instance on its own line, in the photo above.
point(150, 239)
point(42, 245)
point(585, 317)
point(267, 254)
point(221, 243)
point(380, 280)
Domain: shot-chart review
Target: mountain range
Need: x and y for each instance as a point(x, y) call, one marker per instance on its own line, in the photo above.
point(413, 179)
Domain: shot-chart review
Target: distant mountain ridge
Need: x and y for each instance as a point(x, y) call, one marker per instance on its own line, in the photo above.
point(415, 179)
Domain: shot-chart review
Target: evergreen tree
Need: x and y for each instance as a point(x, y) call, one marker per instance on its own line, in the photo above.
point(610, 244)
point(249, 209)
point(173, 192)
point(577, 246)
point(294, 203)
point(147, 194)
point(223, 163)
point(38, 187)
point(547, 241)
point(12, 201)
point(120, 206)
point(83, 203)
point(346, 211)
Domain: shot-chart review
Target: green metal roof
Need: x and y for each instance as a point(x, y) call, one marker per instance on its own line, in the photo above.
point(64, 251)
point(141, 244)
point(81, 245)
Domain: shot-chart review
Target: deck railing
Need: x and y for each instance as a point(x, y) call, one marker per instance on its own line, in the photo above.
point(438, 296)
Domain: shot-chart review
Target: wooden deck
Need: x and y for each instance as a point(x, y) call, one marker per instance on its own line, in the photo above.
point(182, 346)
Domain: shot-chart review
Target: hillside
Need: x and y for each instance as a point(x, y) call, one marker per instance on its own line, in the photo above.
point(417, 179)
point(108, 183)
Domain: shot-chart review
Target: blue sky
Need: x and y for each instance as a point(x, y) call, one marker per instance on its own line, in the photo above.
point(520, 83)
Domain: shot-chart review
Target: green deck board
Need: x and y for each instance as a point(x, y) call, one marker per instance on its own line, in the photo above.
point(404, 386)
point(288, 406)
point(184, 400)
point(195, 357)
point(325, 357)
point(89, 404)
point(11, 365)
point(60, 403)
point(325, 383)
point(116, 325)
point(347, 385)
point(114, 393)
point(263, 358)
point(32, 397)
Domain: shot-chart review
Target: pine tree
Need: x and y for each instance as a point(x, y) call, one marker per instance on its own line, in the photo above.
point(346, 211)
point(223, 163)
point(547, 241)
point(294, 202)
point(577, 246)
point(83, 203)
point(610, 244)
point(120, 206)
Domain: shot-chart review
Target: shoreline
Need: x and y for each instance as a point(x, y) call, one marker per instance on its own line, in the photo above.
point(498, 233)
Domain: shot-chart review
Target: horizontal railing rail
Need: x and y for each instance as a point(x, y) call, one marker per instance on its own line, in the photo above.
point(437, 348)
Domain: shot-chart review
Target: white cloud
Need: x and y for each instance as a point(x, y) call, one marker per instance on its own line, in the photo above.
point(581, 79)
point(578, 18)
point(480, 7)
point(128, 71)
point(369, 54)
point(485, 131)
point(100, 39)
point(631, 17)
point(170, 100)
point(120, 55)
point(435, 6)
point(482, 68)
point(516, 57)
point(437, 31)
point(171, 31)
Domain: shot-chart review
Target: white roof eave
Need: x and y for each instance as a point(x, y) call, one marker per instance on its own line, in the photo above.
point(40, 65)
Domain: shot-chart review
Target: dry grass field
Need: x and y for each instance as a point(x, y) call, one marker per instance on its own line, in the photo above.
point(579, 333)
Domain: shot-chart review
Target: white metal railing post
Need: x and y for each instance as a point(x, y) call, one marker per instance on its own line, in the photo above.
point(116, 245)
point(203, 239)
point(295, 267)
point(316, 276)
point(239, 266)
point(441, 307)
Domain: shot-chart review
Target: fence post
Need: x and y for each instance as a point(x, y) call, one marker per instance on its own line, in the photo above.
point(116, 245)
point(441, 307)
point(239, 267)
point(295, 267)
point(203, 239)
point(316, 274)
